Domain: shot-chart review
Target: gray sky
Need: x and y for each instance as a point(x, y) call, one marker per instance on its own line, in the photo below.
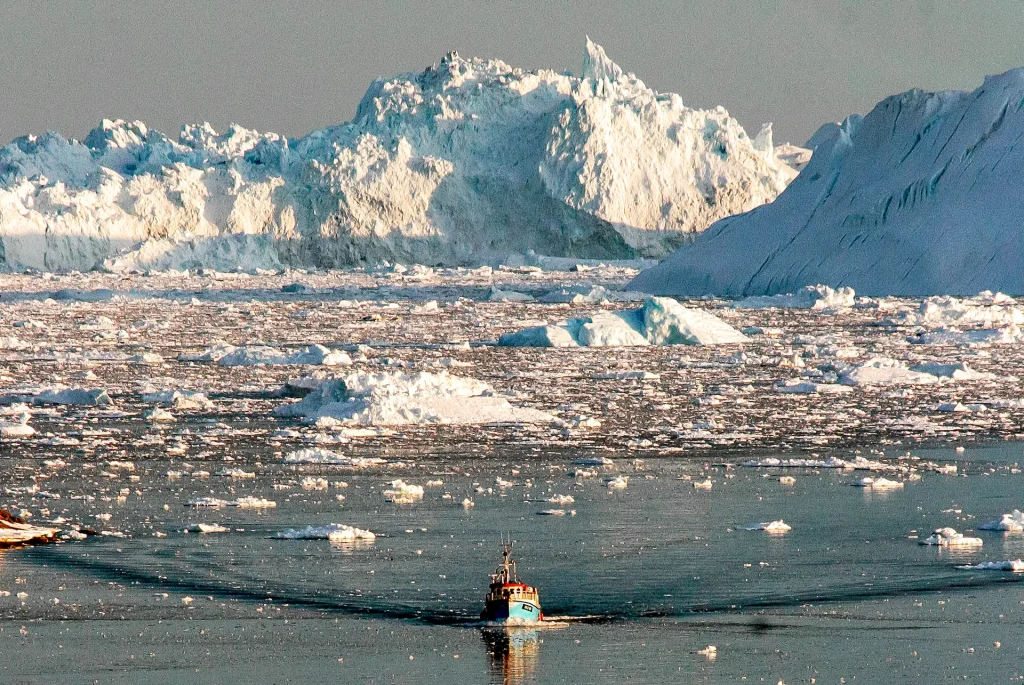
point(291, 68)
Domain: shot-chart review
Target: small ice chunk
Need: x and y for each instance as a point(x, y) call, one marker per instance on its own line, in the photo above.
point(1012, 522)
point(335, 532)
point(779, 526)
point(948, 537)
point(617, 482)
point(403, 493)
point(561, 500)
point(879, 484)
point(1014, 566)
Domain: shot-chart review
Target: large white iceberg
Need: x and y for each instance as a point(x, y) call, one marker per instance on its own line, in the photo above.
point(468, 161)
point(919, 197)
point(383, 399)
point(661, 321)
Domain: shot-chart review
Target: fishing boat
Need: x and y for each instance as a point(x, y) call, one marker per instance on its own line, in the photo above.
point(510, 601)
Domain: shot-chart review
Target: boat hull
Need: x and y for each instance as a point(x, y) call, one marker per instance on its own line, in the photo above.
point(512, 611)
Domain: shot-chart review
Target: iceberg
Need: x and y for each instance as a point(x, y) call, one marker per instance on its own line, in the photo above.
point(948, 537)
point(1012, 522)
point(661, 321)
point(384, 399)
point(467, 162)
point(808, 297)
point(920, 197)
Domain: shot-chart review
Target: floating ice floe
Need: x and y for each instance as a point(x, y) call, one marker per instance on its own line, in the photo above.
point(987, 310)
point(798, 386)
point(884, 371)
point(318, 455)
point(15, 530)
point(973, 338)
point(661, 321)
point(496, 295)
point(179, 399)
point(1012, 522)
point(260, 355)
point(584, 294)
point(401, 492)
point(879, 484)
point(603, 462)
point(960, 408)
point(957, 371)
point(241, 502)
point(561, 500)
point(625, 376)
point(73, 396)
point(335, 532)
point(158, 414)
point(808, 297)
point(424, 398)
point(1014, 566)
point(948, 537)
point(18, 428)
point(236, 473)
point(779, 526)
point(253, 503)
point(206, 528)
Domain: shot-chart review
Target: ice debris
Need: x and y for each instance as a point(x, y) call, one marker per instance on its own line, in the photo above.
point(423, 398)
point(401, 492)
point(1014, 566)
point(884, 371)
point(75, 396)
point(879, 483)
point(661, 321)
point(779, 526)
point(14, 530)
point(948, 537)
point(335, 532)
point(808, 297)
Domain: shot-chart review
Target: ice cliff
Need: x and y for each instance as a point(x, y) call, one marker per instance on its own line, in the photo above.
point(464, 163)
point(920, 197)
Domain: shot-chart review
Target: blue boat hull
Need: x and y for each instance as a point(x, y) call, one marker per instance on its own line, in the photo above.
point(511, 611)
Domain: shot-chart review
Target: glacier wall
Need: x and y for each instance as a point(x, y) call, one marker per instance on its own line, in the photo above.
point(923, 196)
point(464, 163)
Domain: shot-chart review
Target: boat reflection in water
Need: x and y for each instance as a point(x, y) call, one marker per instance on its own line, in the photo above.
point(514, 653)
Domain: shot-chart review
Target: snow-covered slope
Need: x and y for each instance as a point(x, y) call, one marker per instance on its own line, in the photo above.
point(464, 163)
point(920, 197)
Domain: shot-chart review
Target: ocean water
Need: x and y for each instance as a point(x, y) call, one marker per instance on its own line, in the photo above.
point(637, 581)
